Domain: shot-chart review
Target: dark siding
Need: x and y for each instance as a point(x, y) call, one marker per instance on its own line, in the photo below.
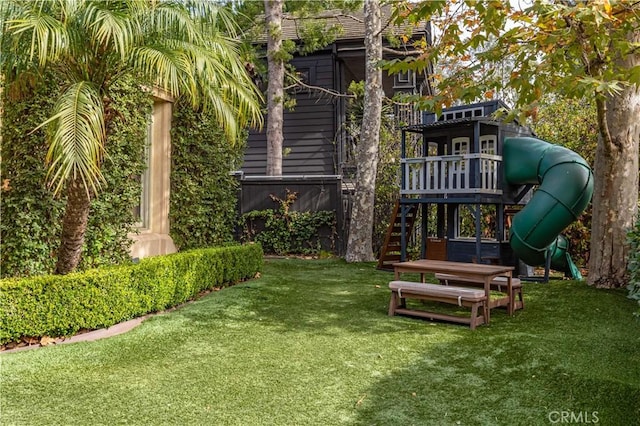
point(309, 130)
point(464, 251)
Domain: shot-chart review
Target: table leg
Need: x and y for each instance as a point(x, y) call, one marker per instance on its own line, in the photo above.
point(487, 292)
point(512, 298)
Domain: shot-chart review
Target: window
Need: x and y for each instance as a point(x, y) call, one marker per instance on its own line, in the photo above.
point(461, 113)
point(141, 211)
point(488, 144)
point(306, 75)
point(404, 79)
point(459, 179)
point(488, 167)
point(465, 221)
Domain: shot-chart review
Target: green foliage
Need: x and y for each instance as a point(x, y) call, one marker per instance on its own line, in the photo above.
point(568, 48)
point(30, 225)
point(571, 123)
point(203, 192)
point(55, 305)
point(634, 262)
point(284, 231)
point(31, 238)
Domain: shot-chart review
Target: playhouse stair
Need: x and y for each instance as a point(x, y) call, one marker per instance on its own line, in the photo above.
point(391, 249)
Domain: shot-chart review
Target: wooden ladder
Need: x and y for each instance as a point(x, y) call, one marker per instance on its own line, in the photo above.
point(391, 249)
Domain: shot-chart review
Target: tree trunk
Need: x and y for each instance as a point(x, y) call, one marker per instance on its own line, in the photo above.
point(275, 90)
point(615, 198)
point(74, 226)
point(359, 245)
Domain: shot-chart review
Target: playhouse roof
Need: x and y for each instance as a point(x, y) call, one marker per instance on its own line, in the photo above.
point(457, 122)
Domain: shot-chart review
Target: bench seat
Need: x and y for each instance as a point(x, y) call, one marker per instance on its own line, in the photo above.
point(497, 284)
point(461, 296)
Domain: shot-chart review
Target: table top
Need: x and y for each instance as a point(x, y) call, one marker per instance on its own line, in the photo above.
point(459, 268)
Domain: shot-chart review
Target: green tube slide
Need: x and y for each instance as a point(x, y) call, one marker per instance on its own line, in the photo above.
point(565, 187)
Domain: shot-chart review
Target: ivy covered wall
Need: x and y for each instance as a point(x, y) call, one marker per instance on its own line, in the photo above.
point(31, 214)
point(203, 210)
point(203, 193)
point(30, 225)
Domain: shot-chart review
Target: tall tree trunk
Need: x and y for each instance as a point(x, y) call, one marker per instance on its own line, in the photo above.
point(359, 245)
point(615, 198)
point(275, 90)
point(74, 226)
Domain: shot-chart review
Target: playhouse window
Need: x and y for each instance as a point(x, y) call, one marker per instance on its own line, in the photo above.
point(488, 144)
point(459, 180)
point(459, 146)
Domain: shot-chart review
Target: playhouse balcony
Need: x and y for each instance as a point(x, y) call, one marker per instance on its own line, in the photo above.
point(477, 173)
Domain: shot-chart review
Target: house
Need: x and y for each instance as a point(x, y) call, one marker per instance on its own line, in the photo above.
point(315, 140)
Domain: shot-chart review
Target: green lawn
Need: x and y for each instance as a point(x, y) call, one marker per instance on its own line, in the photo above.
point(310, 343)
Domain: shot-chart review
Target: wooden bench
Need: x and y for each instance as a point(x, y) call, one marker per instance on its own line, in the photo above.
point(497, 284)
point(461, 296)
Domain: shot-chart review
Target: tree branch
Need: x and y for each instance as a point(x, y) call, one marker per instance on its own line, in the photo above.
point(330, 92)
point(400, 52)
point(603, 124)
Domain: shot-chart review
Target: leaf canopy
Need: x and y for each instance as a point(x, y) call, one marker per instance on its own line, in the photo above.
point(563, 47)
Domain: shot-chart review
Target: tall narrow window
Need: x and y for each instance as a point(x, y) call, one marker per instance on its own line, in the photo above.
point(141, 211)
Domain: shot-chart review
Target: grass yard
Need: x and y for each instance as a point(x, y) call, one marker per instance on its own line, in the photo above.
point(310, 343)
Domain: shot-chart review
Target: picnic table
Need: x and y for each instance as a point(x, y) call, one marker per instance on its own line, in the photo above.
point(474, 272)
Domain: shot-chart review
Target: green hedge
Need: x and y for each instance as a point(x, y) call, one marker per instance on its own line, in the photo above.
point(54, 305)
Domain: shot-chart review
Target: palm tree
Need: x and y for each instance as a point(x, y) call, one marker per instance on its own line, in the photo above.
point(185, 47)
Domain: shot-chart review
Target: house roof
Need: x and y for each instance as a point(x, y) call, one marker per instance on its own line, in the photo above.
point(352, 24)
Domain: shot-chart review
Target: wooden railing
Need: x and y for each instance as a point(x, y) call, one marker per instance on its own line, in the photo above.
point(451, 174)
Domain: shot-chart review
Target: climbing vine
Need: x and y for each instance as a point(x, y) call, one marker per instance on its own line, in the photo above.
point(285, 231)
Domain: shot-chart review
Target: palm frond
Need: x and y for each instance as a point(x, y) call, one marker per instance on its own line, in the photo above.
point(112, 25)
point(168, 67)
point(48, 34)
point(76, 134)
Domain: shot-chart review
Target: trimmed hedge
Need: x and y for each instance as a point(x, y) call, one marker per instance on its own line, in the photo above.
point(61, 305)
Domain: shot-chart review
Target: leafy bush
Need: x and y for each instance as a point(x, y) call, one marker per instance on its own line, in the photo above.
point(203, 210)
point(284, 231)
point(61, 305)
point(634, 262)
